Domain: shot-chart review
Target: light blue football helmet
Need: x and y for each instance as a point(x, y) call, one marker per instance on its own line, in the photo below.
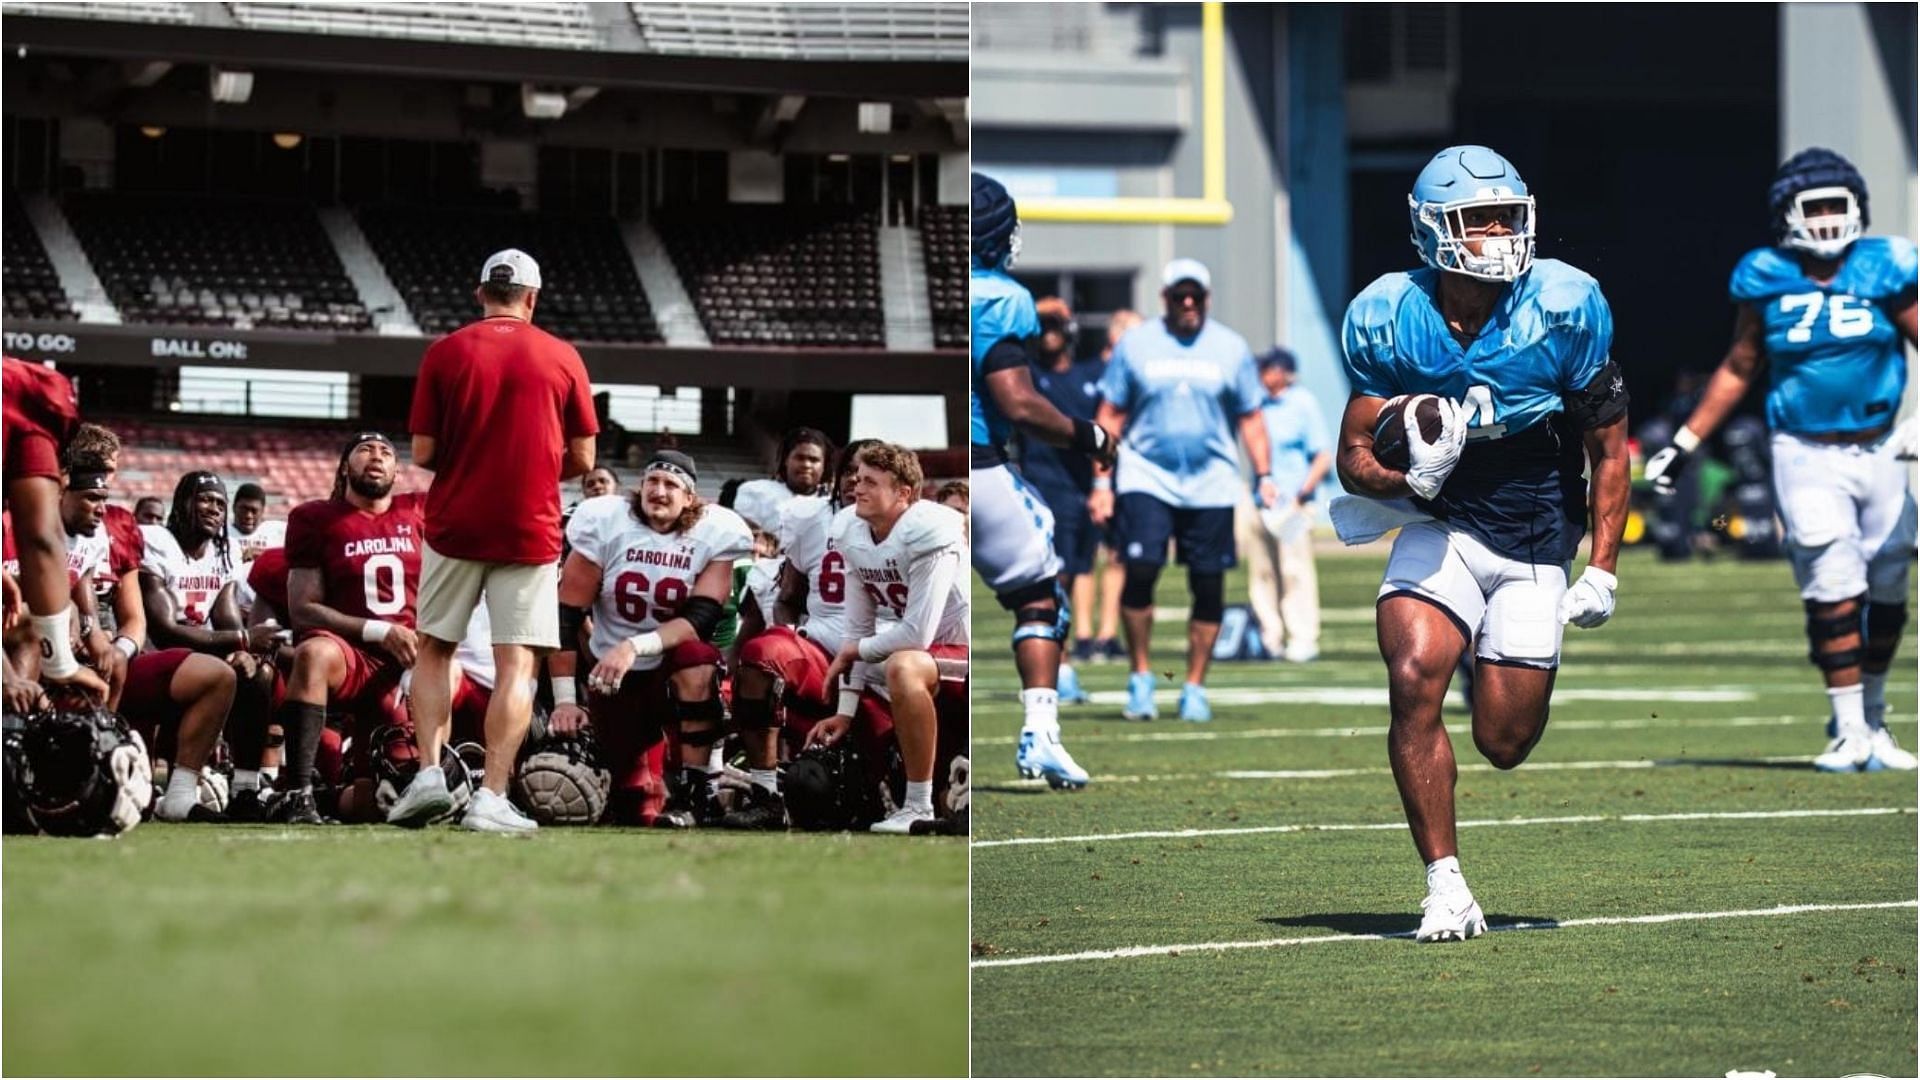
point(1459, 178)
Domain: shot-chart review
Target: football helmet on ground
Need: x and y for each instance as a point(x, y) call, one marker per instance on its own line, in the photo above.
point(83, 772)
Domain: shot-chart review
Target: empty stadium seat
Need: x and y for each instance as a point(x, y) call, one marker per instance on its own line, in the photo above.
point(32, 289)
point(591, 291)
point(947, 241)
point(778, 275)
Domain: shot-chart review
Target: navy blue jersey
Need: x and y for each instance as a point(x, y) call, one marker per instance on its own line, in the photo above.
point(1076, 393)
point(1519, 486)
point(1001, 310)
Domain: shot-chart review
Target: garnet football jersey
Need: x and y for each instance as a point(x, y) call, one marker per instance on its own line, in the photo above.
point(369, 563)
point(806, 538)
point(194, 583)
point(645, 575)
point(907, 591)
point(267, 580)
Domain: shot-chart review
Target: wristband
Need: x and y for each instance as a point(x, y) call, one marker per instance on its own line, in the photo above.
point(1103, 483)
point(647, 644)
point(563, 691)
point(56, 644)
point(375, 631)
point(849, 701)
point(127, 646)
point(1686, 440)
point(1089, 437)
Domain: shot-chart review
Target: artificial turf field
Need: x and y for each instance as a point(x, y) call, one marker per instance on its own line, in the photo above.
point(256, 950)
point(1672, 784)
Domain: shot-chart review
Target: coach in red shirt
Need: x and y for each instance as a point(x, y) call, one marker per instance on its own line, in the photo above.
point(502, 412)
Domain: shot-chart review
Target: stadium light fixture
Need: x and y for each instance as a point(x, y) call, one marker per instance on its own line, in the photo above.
point(152, 131)
point(287, 140)
point(540, 104)
point(876, 117)
point(228, 86)
point(1212, 207)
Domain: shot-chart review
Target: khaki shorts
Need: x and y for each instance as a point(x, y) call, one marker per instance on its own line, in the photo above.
point(523, 600)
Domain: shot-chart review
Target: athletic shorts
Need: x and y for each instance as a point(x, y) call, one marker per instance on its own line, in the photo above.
point(1203, 536)
point(799, 662)
point(1012, 531)
point(1849, 518)
point(370, 675)
point(1075, 537)
point(1508, 610)
point(951, 660)
point(523, 599)
point(147, 699)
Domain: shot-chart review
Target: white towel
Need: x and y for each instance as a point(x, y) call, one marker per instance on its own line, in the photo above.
point(1360, 520)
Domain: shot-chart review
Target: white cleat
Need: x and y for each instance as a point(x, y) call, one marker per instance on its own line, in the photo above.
point(1848, 753)
point(425, 799)
point(900, 822)
point(1040, 755)
point(1450, 916)
point(493, 813)
point(1887, 753)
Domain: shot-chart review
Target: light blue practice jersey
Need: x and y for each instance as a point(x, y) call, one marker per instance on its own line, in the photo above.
point(1296, 433)
point(1518, 486)
point(1834, 358)
point(1002, 309)
point(1183, 401)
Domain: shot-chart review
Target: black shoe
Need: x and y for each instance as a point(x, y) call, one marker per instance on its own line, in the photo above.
point(763, 810)
point(200, 815)
point(1083, 650)
point(247, 807)
point(297, 808)
point(690, 805)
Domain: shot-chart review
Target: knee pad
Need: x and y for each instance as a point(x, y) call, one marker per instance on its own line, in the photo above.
point(708, 714)
point(1047, 619)
point(1884, 624)
point(1137, 593)
point(1209, 595)
point(1824, 628)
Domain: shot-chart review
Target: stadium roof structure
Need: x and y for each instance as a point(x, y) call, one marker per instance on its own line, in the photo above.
point(917, 49)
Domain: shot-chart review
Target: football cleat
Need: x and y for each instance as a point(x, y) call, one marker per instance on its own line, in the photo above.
point(247, 807)
point(690, 805)
point(488, 812)
point(422, 801)
point(1042, 757)
point(762, 810)
point(1193, 704)
point(1069, 687)
point(1109, 650)
point(902, 821)
point(1846, 753)
point(296, 808)
point(1887, 753)
point(1450, 915)
point(1140, 704)
point(1083, 650)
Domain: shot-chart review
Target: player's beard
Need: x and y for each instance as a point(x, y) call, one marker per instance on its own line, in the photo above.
point(370, 489)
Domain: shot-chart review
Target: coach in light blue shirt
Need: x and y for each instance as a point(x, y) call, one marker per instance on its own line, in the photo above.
point(1175, 391)
point(1296, 429)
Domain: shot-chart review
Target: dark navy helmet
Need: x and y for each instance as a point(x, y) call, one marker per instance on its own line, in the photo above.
point(996, 224)
point(1817, 175)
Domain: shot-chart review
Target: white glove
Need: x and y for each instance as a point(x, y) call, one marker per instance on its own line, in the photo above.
point(1433, 462)
point(1590, 601)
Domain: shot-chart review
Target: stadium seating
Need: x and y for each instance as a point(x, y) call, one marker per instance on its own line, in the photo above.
point(230, 262)
point(947, 242)
point(779, 275)
point(591, 293)
point(32, 289)
point(787, 31)
point(550, 25)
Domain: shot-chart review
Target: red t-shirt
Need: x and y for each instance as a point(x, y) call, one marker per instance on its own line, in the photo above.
point(128, 545)
point(267, 577)
point(369, 563)
point(38, 414)
point(500, 398)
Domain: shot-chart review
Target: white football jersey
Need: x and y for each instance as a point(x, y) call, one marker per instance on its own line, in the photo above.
point(194, 583)
point(807, 539)
point(763, 502)
point(908, 591)
point(88, 553)
point(267, 534)
point(645, 575)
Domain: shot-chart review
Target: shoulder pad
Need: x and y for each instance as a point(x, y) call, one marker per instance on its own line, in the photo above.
point(1375, 306)
point(1761, 274)
point(725, 532)
point(594, 521)
point(804, 513)
point(928, 526)
point(1885, 266)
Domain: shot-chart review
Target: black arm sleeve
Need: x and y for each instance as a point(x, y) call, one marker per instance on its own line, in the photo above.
point(1005, 353)
point(703, 613)
point(572, 619)
point(1601, 402)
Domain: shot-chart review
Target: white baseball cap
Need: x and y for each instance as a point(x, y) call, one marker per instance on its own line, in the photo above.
point(1180, 270)
point(511, 267)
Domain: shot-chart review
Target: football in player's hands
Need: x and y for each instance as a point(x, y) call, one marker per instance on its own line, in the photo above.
point(1390, 428)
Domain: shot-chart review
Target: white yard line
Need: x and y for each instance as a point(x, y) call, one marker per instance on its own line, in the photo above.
point(1562, 924)
point(1189, 733)
point(1381, 770)
point(1575, 819)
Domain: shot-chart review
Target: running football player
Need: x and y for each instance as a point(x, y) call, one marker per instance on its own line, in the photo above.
point(1013, 528)
point(1493, 508)
point(1823, 310)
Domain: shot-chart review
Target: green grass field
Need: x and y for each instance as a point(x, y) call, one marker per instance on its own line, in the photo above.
point(199, 950)
point(1253, 928)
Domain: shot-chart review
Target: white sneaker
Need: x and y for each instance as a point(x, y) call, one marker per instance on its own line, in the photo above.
point(1887, 753)
point(1452, 915)
point(426, 798)
point(1300, 654)
point(493, 813)
point(1848, 753)
point(900, 822)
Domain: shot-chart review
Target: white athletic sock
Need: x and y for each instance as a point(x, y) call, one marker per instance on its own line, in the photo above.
point(1443, 875)
point(183, 791)
point(246, 780)
point(270, 773)
point(1849, 710)
point(1875, 701)
point(1043, 709)
point(765, 779)
point(920, 795)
